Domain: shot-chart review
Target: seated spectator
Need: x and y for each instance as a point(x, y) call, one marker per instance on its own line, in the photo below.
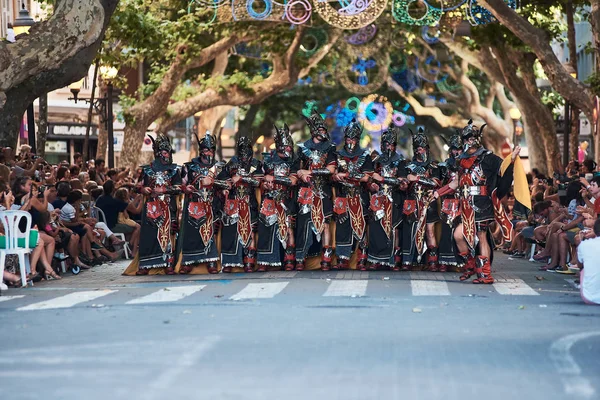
point(589, 262)
point(111, 208)
point(63, 189)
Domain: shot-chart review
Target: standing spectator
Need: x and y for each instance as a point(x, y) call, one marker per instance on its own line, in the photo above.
point(100, 171)
point(590, 267)
point(78, 160)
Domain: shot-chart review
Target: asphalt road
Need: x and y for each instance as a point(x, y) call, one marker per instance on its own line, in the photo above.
point(308, 336)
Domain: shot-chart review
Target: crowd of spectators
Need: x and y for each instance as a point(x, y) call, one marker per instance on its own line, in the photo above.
point(564, 225)
point(76, 210)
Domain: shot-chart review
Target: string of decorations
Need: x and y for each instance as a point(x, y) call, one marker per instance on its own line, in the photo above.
point(349, 14)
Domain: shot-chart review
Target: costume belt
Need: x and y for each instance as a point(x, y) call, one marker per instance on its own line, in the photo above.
point(474, 191)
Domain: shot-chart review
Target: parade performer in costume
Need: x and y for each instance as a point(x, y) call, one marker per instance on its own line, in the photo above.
point(483, 180)
point(450, 210)
point(160, 184)
point(421, 214)
point(315, 195)
point(352, 199)
point(240, 214)
point(386, 203)
point(277, 209)
point(197, 243)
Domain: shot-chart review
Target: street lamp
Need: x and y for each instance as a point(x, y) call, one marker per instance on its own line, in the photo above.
point(515, 115)
point(102, 105)
point(22, 24)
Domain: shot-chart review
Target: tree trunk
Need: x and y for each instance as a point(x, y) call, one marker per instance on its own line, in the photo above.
point(245, 126)
point(102, 131)
point(55, 53)
point(572, 44)
point(42, 126)
point(539, 42)
point(528, 98)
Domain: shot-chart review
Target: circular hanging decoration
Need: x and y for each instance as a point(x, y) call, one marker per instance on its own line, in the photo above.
point(429, 69)
point(446, 5)
point(426, 34)
point(268, 7)
point(363, 36)
point(312, 41)
point(444, 86)
point(298, 11)
point(371, 12)
point(355, 101)
point(209, 3)
point(400, 11)
point(365, 82)
point(375, 112)
point(399, 119)
point(353, 7)
point(451, 19)
point(479, 15)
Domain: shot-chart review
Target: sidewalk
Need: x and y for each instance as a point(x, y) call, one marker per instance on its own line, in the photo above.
point(505, 269)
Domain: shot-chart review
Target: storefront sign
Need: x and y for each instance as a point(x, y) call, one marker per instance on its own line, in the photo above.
point(57, 147)
point(70, 130)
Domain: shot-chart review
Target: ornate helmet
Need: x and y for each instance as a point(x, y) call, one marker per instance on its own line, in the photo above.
point(244, 149)
point(469, 132)
point(315, 122)
point(352, 131)
point(283, 139)
point(389, 136)
point(420, 140)
point(207, 142)
point(160, 144)
point(455, 142)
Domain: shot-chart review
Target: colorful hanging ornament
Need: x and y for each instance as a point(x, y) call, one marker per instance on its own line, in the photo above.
point(367, 16)
point(401, 12)
point(368, 80)
point(362, 36)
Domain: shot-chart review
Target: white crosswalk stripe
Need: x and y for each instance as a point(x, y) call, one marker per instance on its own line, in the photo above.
point(266, 290)
point(7, 298)
point(516, 288)
point(169, 294)
point(429, 288)
point(346, 289)
point(260, 291)
point(67, 301)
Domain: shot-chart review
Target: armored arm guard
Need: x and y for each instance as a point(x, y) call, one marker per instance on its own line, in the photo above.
point(391, 181)
point(283, 180)
point(427, 182)
point(321, 172)
point(250, 180)
point(220, 184)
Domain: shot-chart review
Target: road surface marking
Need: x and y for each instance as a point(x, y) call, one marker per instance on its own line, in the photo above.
point(516, 288)
point(570, 373)
point(183, 364)
point(346, 288)
point(7, 298)
point(429, 288)
point(66, 301)
point(259, 291)
point(168, 294)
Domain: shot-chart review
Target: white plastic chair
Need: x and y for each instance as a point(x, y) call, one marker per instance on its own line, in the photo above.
point(10, 221)
point(121, 236)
